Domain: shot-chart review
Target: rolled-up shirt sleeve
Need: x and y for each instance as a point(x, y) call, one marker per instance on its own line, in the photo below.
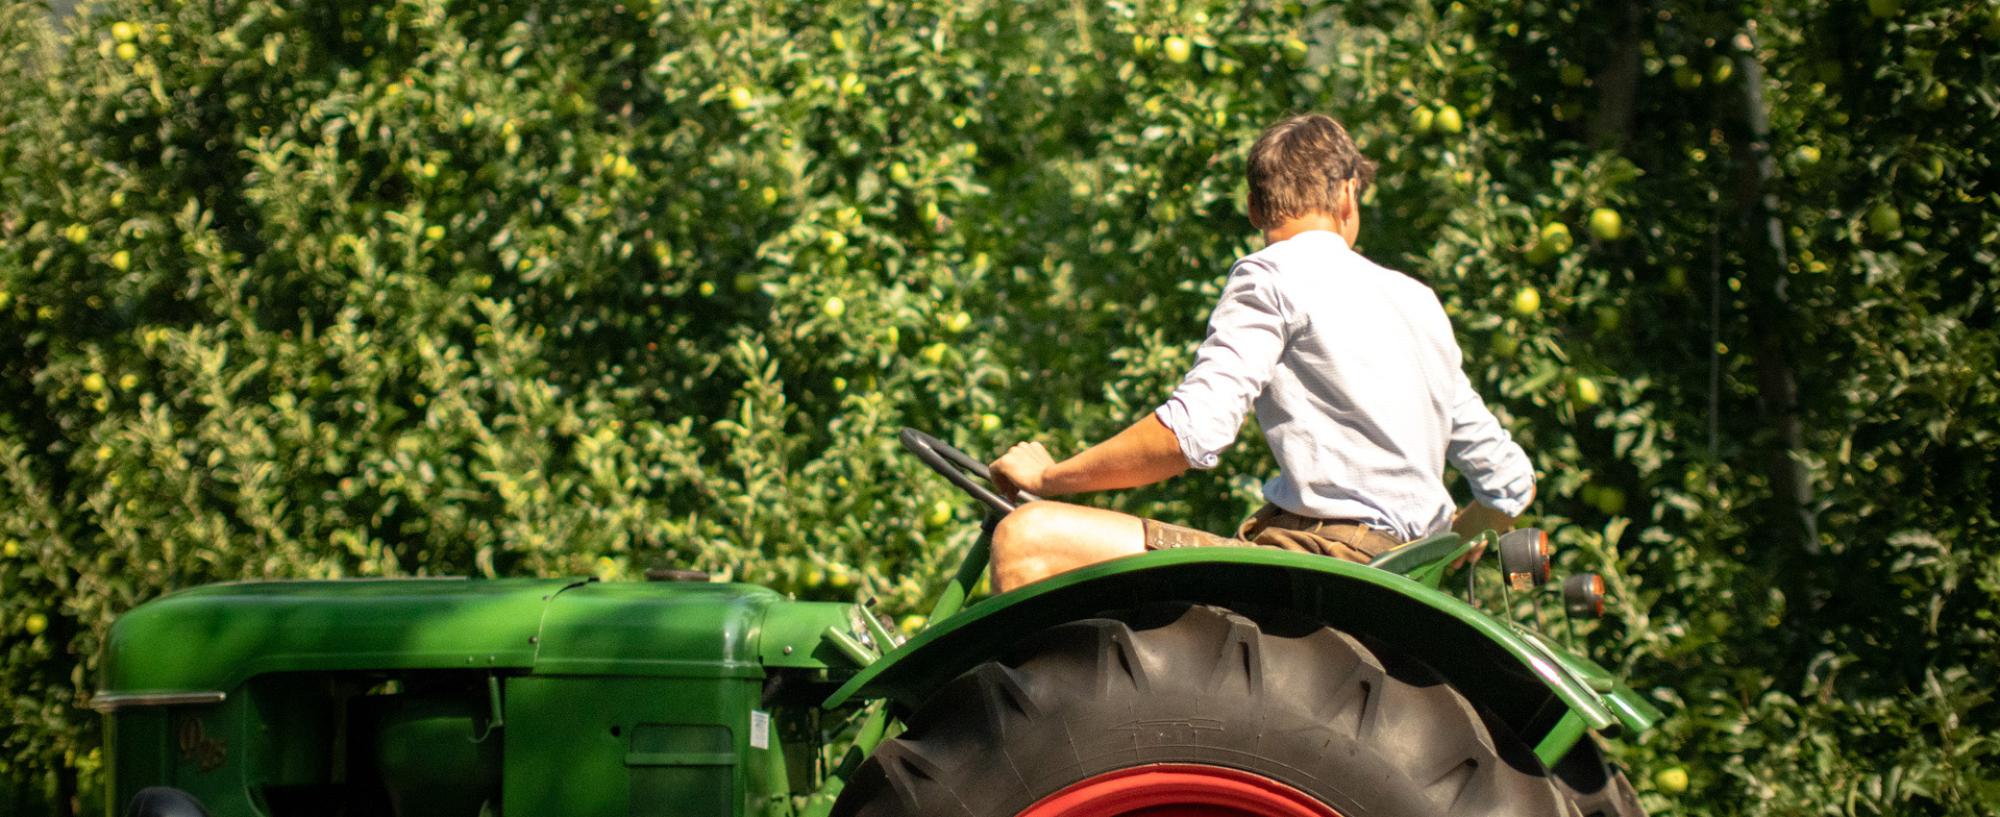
point(1246, 335)
point(1501, 475)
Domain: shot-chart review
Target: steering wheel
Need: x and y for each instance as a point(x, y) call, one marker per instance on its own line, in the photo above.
point(957, 467)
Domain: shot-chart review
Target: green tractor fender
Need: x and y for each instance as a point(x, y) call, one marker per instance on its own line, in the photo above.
point(1547, 697)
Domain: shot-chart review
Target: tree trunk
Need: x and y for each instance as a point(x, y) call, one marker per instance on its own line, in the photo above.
point(1766, 261)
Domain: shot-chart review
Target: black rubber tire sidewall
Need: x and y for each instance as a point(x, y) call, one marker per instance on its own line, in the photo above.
point(1319, 710)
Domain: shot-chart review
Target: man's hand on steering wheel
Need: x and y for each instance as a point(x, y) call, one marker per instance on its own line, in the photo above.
point(1021, 469)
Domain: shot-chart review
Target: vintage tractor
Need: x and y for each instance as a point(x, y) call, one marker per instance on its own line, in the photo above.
point(1217, 681)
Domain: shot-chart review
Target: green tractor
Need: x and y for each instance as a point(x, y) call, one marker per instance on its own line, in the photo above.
point(1216, 681)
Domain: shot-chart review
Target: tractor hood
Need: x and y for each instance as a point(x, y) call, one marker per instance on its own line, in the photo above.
point(212, 638)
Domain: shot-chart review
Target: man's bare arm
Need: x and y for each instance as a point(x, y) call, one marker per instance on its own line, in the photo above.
point(1144, 453)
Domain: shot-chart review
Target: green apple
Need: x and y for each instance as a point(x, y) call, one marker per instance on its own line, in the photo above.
point(10, 548)
point(1178, 49)
point(1505, 346)
point(93, 383)
point(934, 353)
point(121, 260)
point(1884, 220)
point(956, 322)
point(35, 624)
point(1931, 169)
point(1935, 96)
point(1556, 235)
point(839, 577)
point(834, 307)
point(1527, 301)
point(834, 241)
point(1586, 393)
point(899, 173)
point(989, 422)
point(1610, 500)
point(1421, 119)
point(705, 289)
point(1686, 79)
point(1721, 69)
point(128, 52)
point(123, 31)
point(1674, 779)
point(1806, 156)
point(1295, 51)
point(911, 624)
point(745, 282)
point(839, 383)
point(1606, 224)
point(940, 513)
point(76, 233)
point(740, 99)
point(1448, 120)
point(1609, 318)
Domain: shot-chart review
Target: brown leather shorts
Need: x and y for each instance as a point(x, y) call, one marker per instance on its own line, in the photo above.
point(1276, 527)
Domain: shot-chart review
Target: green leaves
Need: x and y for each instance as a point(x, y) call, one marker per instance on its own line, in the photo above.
point(349, 289)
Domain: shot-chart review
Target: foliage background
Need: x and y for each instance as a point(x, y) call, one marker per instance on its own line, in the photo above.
point(341, 289)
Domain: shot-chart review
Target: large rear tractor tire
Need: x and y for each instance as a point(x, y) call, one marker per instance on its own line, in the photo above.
point(1598, 788)
point(1201, 712)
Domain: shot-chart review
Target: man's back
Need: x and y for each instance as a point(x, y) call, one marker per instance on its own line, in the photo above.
point(1356, 380)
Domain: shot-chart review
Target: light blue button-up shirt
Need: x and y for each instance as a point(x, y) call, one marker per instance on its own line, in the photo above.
point(1360, 388)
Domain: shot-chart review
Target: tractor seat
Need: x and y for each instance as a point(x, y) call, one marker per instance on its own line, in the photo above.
point(1407, 557)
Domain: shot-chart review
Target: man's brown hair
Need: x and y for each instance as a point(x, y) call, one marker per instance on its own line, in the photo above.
point(1298, 166)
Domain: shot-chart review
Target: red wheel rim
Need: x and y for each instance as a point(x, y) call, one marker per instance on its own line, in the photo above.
point(1179, 790)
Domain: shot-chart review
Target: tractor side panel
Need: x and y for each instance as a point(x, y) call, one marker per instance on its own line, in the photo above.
point(584, 746)
point(197, 749)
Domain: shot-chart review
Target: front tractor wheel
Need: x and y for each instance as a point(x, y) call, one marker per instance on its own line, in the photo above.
point(1199, 711)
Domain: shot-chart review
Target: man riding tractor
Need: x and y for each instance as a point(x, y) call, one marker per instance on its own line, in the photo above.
point(1354, 373)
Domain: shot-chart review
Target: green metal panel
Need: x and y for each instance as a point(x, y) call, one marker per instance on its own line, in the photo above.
point(213, 637)
point(1403, 612)
point(137, 752)
point(664, 629)
point(792, 635)
point(645, 747)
